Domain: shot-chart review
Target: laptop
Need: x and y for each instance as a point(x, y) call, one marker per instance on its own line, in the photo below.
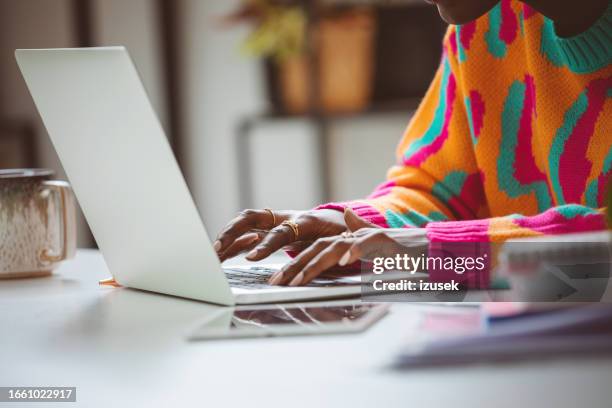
point(127, 181)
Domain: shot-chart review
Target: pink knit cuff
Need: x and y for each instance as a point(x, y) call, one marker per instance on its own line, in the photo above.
point(463, 242)
point(365, 211)
point(458, 231)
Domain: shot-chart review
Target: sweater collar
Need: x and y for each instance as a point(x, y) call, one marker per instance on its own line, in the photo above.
point(591, 49)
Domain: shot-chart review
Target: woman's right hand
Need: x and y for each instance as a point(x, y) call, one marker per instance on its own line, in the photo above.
point(262, 232)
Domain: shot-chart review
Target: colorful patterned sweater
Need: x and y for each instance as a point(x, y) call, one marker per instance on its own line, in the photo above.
point(512, 139)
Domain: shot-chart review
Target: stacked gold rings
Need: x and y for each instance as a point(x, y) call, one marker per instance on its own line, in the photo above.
point(294, 227)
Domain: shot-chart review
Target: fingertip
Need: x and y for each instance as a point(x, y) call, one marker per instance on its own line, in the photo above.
point(250, 238)
point(276, 278)
point(345, 258)
point(355, 254)
point(297, 280)
point(217, 245)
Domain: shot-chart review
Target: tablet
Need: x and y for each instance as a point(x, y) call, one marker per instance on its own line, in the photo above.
point(295, 319)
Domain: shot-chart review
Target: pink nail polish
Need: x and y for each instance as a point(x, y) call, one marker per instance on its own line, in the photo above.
point(252, 254)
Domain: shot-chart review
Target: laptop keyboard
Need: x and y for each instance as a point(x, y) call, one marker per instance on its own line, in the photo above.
point(256, 277)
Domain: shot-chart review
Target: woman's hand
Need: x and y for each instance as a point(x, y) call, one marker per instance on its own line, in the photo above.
point(262, 232)
point(365, 242)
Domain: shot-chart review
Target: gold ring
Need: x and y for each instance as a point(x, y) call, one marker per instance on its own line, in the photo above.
point(273, 216)
point(294, 227)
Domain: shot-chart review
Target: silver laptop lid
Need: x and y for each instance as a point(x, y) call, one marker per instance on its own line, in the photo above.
point(123, 172)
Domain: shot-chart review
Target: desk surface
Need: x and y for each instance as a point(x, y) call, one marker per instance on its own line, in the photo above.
point(122, 347)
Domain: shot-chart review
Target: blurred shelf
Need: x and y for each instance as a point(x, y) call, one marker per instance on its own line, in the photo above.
point(404, 29)
point(377, 108)
point(377, 3)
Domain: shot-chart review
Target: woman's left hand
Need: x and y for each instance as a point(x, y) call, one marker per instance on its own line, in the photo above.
point(365, 241)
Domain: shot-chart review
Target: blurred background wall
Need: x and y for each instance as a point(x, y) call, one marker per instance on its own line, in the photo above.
point(239, 138)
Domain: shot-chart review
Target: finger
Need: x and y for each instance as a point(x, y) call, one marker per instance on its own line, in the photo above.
point(364, 246)
point(298, 246)
point(277, 238)
point(247, 220)
point(355, 222)
point(321, 262)
point(242, 244)
point(288, 272)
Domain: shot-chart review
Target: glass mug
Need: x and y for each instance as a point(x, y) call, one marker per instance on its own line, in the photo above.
point(37, 223)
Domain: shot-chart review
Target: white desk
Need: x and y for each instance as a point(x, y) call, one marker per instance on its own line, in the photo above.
point(122, 347)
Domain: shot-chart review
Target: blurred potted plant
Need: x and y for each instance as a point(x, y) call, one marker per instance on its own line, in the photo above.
point(343, 41)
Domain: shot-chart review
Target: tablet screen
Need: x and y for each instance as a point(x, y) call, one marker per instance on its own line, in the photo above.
point(293, 319)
